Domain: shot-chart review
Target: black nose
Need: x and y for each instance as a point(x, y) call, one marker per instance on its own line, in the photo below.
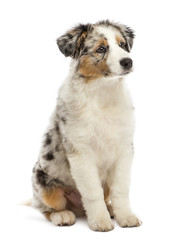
point(127, 63)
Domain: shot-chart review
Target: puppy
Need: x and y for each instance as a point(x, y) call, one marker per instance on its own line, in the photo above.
point(85, 160)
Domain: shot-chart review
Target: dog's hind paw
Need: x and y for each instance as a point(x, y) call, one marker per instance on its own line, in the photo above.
point(62, 218)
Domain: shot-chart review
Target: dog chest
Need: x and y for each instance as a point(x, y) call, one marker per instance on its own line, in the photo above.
point(100, 121)
point(111, 129)
point(105, 131)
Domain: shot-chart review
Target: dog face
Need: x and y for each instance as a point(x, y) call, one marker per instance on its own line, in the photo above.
point(101, 50)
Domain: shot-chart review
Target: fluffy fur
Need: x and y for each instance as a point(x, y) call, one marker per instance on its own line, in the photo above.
point(85, 160)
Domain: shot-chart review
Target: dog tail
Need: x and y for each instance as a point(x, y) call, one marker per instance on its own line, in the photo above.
point(27, 203)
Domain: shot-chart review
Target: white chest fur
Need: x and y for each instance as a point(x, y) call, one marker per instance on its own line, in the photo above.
point(101, 118)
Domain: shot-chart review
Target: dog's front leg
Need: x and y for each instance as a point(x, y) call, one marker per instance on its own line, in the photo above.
point(120, 181)
point(85, 174)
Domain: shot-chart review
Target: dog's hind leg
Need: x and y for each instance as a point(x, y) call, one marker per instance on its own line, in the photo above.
point(50, 197)
point(55, 199)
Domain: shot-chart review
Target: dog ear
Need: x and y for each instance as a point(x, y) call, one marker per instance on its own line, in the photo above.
point(129, 36)
point(72, 42)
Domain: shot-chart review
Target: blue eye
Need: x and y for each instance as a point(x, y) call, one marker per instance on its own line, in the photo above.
point(101, 50)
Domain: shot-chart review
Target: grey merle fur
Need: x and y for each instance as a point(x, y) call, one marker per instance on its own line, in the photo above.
point(52, 168)
point(73, 42)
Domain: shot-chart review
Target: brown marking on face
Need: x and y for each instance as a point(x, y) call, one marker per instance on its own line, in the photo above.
point(91, 70)
point(80, 42)
point(119, 39)
point(102, 42)
point(94, 65)
point(55, 198)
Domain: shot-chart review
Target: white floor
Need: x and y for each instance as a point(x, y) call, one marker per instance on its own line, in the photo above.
point(32, 69)
point(21, 222)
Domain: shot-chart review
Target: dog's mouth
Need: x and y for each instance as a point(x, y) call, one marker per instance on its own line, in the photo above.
point(126, 72)
point(122, 74)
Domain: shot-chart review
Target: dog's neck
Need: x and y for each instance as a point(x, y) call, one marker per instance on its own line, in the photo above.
point(106, 91)
point(103, 92)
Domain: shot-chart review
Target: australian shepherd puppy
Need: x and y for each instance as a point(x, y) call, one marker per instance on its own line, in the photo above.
point(85, 160)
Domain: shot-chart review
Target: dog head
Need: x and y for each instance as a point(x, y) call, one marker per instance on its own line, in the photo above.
point(101, 49)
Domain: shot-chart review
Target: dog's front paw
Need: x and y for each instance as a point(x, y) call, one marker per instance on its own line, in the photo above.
point(128, 221)
point(102, 224)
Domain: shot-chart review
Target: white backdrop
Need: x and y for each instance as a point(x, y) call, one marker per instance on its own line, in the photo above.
point(31, 71)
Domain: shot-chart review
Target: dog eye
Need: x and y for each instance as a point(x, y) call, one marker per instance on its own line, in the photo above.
point(101, 50)
point(122, 44)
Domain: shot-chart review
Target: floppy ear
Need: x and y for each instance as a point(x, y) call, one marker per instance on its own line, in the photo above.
point(129, 36)
point(72, 42)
